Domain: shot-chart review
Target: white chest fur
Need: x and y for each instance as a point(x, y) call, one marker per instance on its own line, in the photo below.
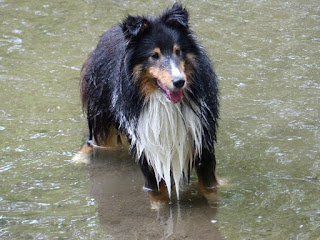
point(170, 137)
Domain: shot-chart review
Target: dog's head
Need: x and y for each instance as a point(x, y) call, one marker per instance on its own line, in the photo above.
point(161, 52)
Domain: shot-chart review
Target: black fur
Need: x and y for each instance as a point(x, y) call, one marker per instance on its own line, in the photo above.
point(112, 97)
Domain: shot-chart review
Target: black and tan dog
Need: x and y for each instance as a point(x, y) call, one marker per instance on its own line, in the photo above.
point(149, 80)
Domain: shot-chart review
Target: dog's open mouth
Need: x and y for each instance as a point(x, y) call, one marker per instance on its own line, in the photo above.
point(172, 95)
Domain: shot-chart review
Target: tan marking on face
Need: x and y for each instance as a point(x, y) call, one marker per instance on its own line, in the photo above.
point(144, 79)
point(191, 59)
point(161, 75)
point(190, 66)
point(182, 68)
point(137, 71)
point(175, 48)
point(147, 85)
point(157, 50)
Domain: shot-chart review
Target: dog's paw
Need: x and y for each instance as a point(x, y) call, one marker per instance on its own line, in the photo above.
point(81, 158)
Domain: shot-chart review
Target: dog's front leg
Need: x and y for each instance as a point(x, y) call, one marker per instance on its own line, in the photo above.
point(205, 167)
point(156, 193)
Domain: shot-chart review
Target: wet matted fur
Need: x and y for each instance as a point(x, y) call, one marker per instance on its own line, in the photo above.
point(150, 80)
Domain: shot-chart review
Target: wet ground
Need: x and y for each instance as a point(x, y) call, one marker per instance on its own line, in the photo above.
point(266, 54)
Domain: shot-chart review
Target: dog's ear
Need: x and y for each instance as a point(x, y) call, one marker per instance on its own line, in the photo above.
point(176, 16)
point(134, 26)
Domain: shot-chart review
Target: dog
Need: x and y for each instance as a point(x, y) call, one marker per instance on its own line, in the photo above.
point(150, 81)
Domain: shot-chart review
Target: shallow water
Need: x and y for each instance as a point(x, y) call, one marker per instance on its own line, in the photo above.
point(266, 54)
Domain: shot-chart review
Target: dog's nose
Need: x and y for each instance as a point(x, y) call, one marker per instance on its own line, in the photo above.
point(178, 82)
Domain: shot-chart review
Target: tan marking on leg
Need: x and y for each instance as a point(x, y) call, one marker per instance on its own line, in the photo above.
point(206, 189)
point(84, 155)
point(123, 140)
point(160, 195)
point(111, 140)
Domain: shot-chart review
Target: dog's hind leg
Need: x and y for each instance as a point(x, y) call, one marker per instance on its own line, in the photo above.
point(205, 168)
point(156, 193)
point(84, 155)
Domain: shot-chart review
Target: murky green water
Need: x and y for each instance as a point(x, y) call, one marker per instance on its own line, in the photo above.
point(267, 56)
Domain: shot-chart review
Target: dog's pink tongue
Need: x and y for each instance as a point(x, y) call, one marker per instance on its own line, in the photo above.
point(174, 96)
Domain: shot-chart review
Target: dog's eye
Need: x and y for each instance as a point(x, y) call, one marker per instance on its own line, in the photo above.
point(178, 52)
point(155, 56)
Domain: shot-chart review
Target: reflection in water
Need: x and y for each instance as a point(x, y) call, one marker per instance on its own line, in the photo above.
point(266, 54)
point(125, 211)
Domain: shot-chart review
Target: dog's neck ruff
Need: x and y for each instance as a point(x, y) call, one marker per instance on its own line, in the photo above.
point(170, 137)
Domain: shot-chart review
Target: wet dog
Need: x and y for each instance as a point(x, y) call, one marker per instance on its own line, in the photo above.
point(149, 81)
